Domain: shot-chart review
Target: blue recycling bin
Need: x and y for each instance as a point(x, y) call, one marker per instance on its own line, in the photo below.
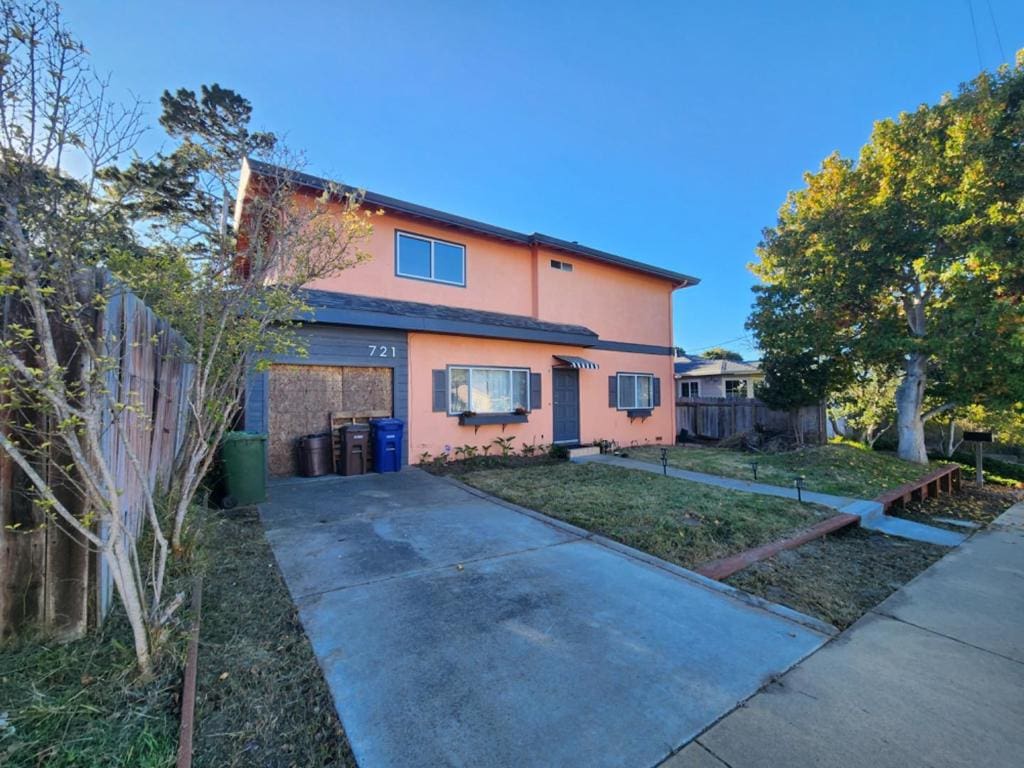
point(387, 444)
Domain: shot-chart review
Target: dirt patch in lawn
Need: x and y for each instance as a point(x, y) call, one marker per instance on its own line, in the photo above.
point(970, 504)
point(262, 698)
point(685, 523)
point(841, 577)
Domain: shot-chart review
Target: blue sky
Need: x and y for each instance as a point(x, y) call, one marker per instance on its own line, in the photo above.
point(665, 132)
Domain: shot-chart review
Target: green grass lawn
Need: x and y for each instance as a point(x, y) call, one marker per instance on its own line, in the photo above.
point(836, 468)
point(685, 523)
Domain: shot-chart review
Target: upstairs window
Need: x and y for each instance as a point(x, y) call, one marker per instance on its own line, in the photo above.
point(488, 390)
point(564, 266)
point(427, 258)
point(636, 390)
point(735, 388)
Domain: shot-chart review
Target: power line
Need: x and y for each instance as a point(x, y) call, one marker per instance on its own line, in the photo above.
point(744, 338)
point(974, 29)
point(995, 28)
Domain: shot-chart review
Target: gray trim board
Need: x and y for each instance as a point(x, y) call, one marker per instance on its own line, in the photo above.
point(628, 346)
point(452, 327)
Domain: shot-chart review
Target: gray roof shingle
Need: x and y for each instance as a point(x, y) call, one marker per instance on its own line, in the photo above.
point(353, 309)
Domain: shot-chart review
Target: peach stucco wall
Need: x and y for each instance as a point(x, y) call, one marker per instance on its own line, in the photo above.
point(618, 304)
point(430, 431)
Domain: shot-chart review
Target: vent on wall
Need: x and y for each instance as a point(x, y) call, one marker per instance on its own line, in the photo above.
point(562, 265)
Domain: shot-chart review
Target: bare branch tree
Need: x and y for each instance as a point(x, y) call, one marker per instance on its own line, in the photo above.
point(55, 357)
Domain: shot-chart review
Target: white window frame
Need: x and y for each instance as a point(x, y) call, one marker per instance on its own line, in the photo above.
point(636, 391)
point(689, 386)
point(469, 386)
point(725, 389)
point(399, 234)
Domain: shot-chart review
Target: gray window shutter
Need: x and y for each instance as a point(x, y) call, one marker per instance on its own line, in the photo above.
point(613, 391)
point(657, 392)
point(441, 390)
point(535, 395)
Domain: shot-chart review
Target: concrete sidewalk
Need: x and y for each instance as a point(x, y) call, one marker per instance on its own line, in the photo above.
point(872, 514)
point(934, 676)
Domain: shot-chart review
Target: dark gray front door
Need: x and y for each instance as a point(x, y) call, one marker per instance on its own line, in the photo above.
point(566, 408)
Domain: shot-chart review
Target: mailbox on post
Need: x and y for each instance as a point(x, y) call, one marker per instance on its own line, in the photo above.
point(979, 439)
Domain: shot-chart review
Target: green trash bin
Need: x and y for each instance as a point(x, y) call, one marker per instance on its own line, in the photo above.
point(244, 459)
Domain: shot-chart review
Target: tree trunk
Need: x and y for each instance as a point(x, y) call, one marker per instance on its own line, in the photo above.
point(121, 569)
point(909, 403)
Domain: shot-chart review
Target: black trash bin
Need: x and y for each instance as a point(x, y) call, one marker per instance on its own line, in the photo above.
point(314, 455)
point(355, 449)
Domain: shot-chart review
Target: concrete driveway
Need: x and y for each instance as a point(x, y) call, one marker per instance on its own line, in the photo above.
point(454, 630)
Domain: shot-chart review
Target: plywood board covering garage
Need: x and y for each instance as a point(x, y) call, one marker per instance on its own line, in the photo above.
point(302, 396)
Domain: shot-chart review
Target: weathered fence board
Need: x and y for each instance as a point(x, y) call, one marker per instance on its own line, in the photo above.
point(717, 418)
point(49, 578)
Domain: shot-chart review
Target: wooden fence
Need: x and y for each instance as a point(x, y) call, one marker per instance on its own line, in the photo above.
point(716, 418)
point(48, 577)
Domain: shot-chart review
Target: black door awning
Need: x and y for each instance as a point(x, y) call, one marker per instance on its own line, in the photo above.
point(576, 362)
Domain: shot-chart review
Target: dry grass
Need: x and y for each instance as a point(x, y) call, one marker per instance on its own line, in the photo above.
point(976, 505)
point(685, 523)
point(262, 700)
point(841, 577)
point(837, 468)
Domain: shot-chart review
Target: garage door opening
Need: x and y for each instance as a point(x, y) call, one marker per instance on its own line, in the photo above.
point(301, 397)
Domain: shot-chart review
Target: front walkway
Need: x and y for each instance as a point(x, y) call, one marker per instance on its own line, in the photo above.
point(934, 676)
point(455, 630)
point(871, 513)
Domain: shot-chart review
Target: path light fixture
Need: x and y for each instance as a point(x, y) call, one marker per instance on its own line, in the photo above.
point(798, 481)
point(664, 461)
point(753, 466)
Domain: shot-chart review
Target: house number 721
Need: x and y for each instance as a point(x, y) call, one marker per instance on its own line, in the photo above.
point(381, 351)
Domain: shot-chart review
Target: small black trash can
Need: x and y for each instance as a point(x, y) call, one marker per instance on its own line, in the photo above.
point(314, 455)
point(355, 449)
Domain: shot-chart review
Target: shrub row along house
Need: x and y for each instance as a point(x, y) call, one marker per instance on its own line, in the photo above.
point(469, 332)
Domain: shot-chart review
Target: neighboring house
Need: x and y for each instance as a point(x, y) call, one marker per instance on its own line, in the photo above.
point(699, 377)
point(454, 325)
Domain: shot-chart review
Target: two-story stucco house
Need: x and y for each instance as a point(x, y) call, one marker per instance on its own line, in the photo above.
point(469, 332)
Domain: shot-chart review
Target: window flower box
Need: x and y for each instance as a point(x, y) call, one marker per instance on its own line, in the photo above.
point(480, 419)
point(638, 413)
point(477, 420)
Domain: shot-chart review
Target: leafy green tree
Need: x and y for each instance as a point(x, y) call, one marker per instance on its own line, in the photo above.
point(721, 353)
point(792, 382)
point(867, 404)
point(910, 257)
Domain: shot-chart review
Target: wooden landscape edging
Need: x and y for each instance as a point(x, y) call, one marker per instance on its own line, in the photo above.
point(945, 478)
point(188, 688)
point(727, 566)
